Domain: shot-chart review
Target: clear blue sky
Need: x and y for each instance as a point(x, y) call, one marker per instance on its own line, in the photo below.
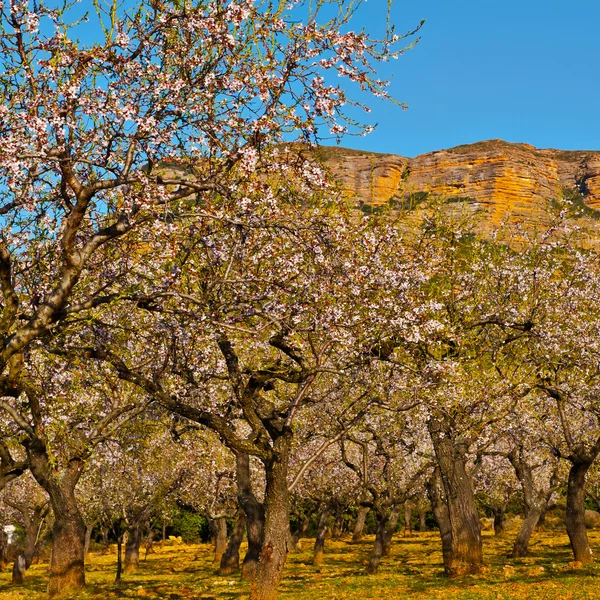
point(520, 70)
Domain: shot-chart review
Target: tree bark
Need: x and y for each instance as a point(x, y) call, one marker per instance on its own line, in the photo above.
point(407, 518)
point(132, 550)
point(105, 540)
point(389, 530)
point(119, 535)
point(149, 543)
point(467, 552)
point(575, 521)
point(18, 572)
point(422, 519)
point(220, 539)
point(527, 528)
point(230, 561)
point(498, 520)
point(440, 512)
point(255, 516)
point(300, 530)
point(67, 572)
point(88, 539)
point(320, 539)
point(338, 523)
point(377, 551)
point(360, 523)
point(3, 548)
point(387, 518)
point(277, 521)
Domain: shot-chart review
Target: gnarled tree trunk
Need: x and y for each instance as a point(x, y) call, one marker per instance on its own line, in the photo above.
point(300, 530)
point(389, 530)
point(387, 518)
point(255, 516)
point(220, 539)
point(321, 533)
point(466, 554)
point(277, 521)
point(407, 518)
point(360, 523)
point(439, 507)
point(67, 572)
point(230, 561)
point(422, 518)
point(132, 549)
point(527, 528)
point(576, 529)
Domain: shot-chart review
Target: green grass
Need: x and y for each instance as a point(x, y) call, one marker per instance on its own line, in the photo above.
point(413, 571)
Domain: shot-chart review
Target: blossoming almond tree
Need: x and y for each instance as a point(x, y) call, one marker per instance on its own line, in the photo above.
point(105, 136)
point(263, 333)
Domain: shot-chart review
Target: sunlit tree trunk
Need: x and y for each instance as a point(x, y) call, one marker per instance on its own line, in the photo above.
point(359, 526)
point(387, 518)
point(322, 525)
point(277, 521)
point(407, 518)
point(132, 549)
point(220, 539)
point(255, 515)
point(67, 572)
point(230, 561)
point(466, 549)
point(575, 521)
point(303, 522)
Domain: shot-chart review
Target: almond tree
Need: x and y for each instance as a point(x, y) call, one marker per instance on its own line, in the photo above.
point(170, 101)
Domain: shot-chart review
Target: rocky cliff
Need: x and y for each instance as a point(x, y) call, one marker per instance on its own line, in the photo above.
point(507, 182)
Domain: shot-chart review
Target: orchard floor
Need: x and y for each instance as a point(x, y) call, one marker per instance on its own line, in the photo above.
point(413, 571)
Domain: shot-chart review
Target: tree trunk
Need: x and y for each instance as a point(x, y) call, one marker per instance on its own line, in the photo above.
point(422, 520)
point(407, 518)
point(255, 516)
point(132, 550)
point(149, 543)
point(527, 527)
point(389, 530)
point(320, 539)
point(498, 520)
point(303, 523)
point(338, 523)
point(33, 522)
point(18, 572)
point(378, 545)
point(230, 562)
point(387, 518)
point(467, 551)
point(440, 512)
point(105, 540)
point(220, 539)
point(360, 523)
point(542, 520)
point(164, 531)
point(576, 529)
point(67, 572)
point(3, 548)
point(119, 556)
point(88, 539)
point(277, 521)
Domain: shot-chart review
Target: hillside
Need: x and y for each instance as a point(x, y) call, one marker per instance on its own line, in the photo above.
point(508, 182)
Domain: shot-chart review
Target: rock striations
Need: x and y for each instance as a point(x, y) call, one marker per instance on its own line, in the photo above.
point(508, 182)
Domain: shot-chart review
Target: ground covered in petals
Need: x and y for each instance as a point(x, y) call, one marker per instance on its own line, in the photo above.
point(414, 570)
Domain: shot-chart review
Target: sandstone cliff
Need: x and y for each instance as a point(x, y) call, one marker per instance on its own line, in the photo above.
point(507, 182)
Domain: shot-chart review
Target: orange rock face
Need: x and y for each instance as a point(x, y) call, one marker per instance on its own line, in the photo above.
point(511, 182)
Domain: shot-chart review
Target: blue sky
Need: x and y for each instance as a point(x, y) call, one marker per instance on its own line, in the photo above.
point(520, 70)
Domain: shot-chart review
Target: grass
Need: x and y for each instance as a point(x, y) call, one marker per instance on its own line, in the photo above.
point(413, 571)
